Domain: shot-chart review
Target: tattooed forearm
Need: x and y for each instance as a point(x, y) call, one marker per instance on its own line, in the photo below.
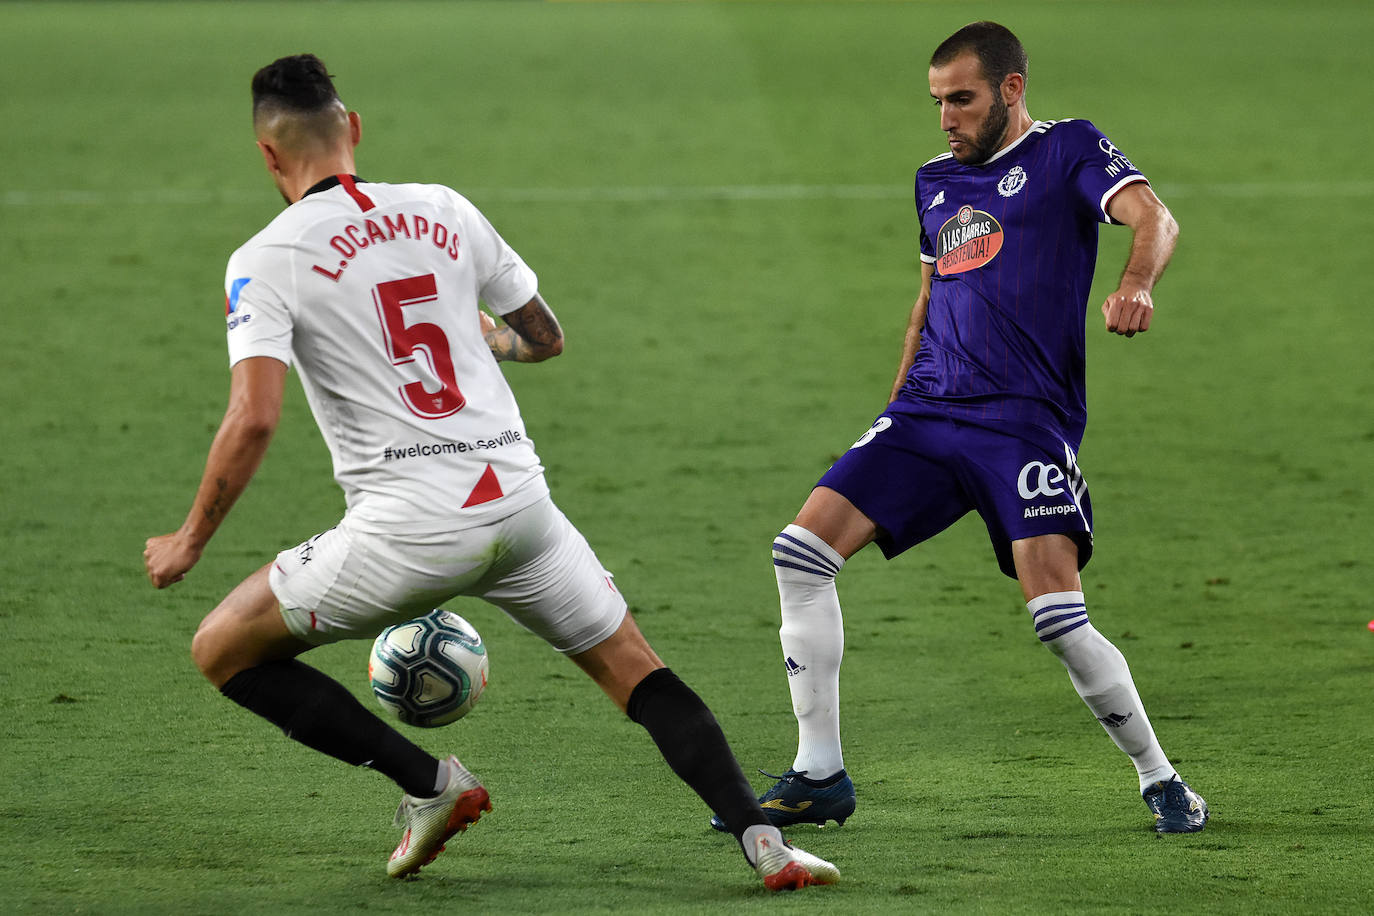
point(220, 504)
point(536, 327)
point(504, 343)
point(531, 334)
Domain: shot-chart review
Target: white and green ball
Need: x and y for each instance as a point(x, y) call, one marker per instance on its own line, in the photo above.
point(429, 671)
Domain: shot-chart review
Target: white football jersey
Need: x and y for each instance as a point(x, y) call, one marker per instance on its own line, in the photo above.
point(370, 290)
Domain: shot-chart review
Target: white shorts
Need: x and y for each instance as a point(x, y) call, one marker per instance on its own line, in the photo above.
point(534, 565)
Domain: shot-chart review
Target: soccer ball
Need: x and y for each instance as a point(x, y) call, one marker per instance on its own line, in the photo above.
point(428, 671)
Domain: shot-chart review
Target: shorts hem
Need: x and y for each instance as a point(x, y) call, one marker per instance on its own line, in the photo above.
point(591, 642)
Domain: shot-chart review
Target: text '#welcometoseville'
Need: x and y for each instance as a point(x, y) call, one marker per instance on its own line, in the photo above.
point(428, 449)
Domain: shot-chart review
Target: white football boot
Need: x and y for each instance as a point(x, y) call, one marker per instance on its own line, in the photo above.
point(429, 822)
point(786, 868)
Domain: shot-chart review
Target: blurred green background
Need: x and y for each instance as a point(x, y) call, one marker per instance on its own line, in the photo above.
point(716, 197)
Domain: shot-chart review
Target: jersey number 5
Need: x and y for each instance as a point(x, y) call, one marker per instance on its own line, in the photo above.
point(403, 341)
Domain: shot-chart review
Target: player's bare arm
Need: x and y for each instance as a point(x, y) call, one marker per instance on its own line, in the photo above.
point(1129, 310)
point(912, 342)
point(255, 396)
point(531, 333)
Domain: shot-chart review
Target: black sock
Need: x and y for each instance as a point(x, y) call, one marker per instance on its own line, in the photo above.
point(691, 741)
point(316, 710)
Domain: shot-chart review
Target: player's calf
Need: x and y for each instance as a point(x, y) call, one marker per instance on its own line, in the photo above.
point(319, 712)
point(693, 745)
point(1102, 678)
point(812, 637)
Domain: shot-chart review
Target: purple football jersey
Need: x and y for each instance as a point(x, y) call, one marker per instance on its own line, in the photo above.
point(1014, 244)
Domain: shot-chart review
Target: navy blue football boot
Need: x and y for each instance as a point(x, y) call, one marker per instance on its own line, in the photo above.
point(1177, 808)
point(794, 799)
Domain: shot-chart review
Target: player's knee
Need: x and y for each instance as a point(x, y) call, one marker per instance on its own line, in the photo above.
point(212, 655)
point(203, 651)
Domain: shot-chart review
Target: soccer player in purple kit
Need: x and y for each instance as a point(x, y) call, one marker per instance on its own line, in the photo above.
point(987, 410)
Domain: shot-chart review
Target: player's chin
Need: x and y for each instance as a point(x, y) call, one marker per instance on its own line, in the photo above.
point(968, 155)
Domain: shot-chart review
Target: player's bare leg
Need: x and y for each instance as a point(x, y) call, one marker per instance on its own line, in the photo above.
point(620, 662)
point(837, 521)
point(245, 630)
point(692, 743)
point(1046, 564)
point(1047, 568)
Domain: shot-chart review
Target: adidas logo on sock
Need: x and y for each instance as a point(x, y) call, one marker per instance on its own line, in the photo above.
point(793, 668)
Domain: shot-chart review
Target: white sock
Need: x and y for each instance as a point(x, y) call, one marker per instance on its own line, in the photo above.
point(1102, 678)
point(751, 835)
point(812, 636)
point(441, 777)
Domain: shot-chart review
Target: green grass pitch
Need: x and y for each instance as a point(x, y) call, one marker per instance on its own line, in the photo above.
point(716, 198)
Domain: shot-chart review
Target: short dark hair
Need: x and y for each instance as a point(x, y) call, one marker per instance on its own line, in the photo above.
point(999, 51)
point(299, 83)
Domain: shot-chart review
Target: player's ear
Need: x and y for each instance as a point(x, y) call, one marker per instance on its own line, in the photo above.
point(1013, 89)
point(355, 128)
point(270, 157)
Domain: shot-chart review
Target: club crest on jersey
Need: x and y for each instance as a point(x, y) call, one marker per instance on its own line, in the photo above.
point(967, 240)
point(1012, 182)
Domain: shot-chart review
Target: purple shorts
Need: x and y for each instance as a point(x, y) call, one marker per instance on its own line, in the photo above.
point(915, 473)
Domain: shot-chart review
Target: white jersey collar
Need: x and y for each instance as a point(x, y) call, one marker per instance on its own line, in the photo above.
point(1015, 143)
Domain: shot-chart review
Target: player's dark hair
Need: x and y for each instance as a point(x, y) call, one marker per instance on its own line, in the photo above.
point(999, 51)
point(299, 83)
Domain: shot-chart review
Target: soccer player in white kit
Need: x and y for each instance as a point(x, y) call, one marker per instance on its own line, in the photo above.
point(371, 291)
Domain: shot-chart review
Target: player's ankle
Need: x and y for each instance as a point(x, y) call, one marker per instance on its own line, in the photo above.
point(809, 778)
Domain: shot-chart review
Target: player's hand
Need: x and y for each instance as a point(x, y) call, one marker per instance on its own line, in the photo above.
point(1128, 311)
point(488, 322)
point(167, 558)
